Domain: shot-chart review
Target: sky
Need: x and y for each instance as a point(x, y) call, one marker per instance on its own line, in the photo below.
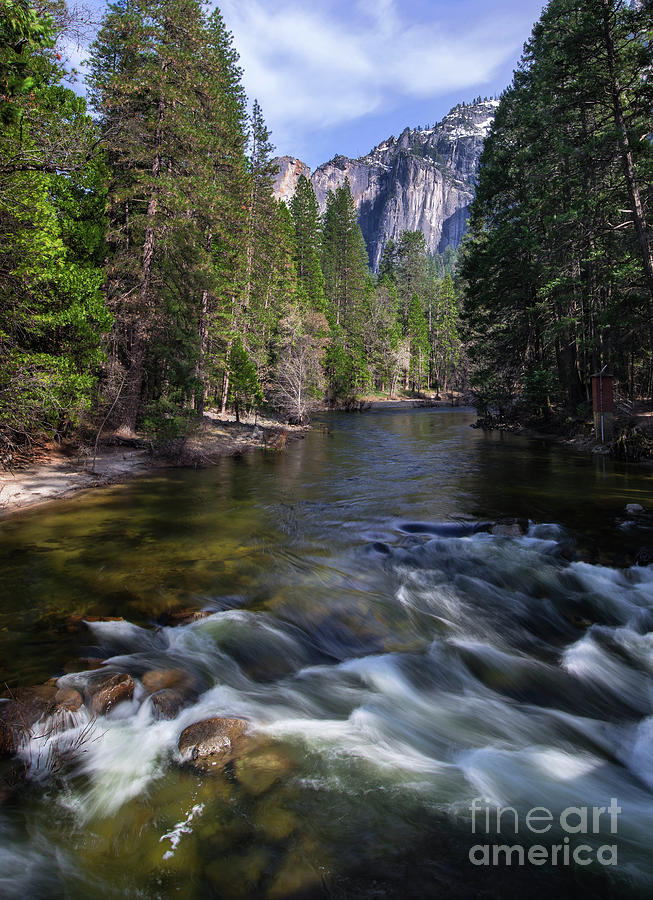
point(340, 76)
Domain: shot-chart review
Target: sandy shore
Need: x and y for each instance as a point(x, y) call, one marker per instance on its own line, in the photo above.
point(60, 474)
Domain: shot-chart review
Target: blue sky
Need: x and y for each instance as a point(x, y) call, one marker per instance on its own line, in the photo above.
point(340, 76)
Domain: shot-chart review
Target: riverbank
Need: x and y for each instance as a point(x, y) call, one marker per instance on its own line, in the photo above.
point(632, 441)
point(65, 470)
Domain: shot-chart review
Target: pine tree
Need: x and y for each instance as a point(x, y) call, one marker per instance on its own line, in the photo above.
point(224, 217)
point(344, 257)
point(244, 386)
point(418, 334)
point(308, 240)
point(154, 84)
point(346, 274)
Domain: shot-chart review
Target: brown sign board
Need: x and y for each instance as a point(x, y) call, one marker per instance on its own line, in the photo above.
point(602, 394)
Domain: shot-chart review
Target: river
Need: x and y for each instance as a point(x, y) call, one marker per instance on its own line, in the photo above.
point(412, 673)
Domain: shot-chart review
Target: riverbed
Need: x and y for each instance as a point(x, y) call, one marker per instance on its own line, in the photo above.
point(410, 672)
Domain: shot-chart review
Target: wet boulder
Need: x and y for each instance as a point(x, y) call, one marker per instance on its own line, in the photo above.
point(167, 703)
point(212, 741)
point(67, 698)
point(509, 528)
point(78, 621)
point(103, 694)
point(634, 509)
point(644, 557)
point(167, 679)
point(186, 616)
point(20, 711)
point(170, 691)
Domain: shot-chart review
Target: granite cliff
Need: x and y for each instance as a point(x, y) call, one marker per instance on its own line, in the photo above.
point(424, 180)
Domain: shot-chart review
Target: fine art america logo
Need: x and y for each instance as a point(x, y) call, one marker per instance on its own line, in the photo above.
point(568, 828)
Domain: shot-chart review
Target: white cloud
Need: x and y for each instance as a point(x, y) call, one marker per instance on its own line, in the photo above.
point(310, 69)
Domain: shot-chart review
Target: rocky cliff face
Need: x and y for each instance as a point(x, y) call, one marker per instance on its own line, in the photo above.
point(424, 180)
point(285, 182)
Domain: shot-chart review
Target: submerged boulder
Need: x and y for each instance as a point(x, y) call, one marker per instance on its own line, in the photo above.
point(78, 621)
point(82, 664)
point(259, 770)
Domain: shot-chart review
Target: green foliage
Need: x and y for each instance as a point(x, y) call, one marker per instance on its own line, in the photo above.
point(346, 372)
point(540, 385)
point(245, 390)
point(308, 243)
point(52, 310)
point(164, 422)
point(22, 35)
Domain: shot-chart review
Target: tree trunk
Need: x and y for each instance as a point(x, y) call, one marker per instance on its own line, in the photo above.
point(225, 383)
point(134, 381)
point(200, 396)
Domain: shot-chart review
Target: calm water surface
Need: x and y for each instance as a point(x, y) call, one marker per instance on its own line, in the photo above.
point(395, 661)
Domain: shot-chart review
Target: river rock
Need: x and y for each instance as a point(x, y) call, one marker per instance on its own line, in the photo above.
point(186, 616)
point(644, 557)
point(275, 822)
point(83, 664)
point(102, 694)
point(509, 528)
point(633, 509)
point(167, 703)
point(212, 741)
point(21, 711)
point(68, 698)
point(77, 621)
point(161, 679)
point(258, 771)
point(298, 876)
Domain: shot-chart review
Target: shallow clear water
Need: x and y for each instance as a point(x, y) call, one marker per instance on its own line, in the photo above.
point(395, 662)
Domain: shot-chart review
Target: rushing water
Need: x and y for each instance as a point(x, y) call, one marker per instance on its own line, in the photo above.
point(397, 664)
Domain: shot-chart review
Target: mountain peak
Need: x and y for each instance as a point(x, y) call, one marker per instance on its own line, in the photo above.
point(424, 180)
